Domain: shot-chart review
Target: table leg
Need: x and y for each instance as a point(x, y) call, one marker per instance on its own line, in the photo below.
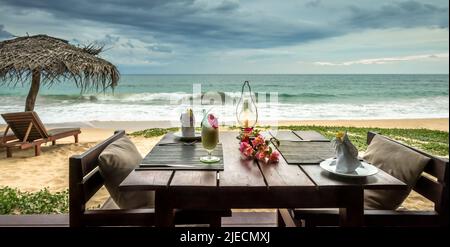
point(353, 214)
point(164, 213)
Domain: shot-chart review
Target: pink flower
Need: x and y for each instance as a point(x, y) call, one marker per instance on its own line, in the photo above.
point(213, 121)
point(261, 155)
point(246, 149)
point(258, 141)
point(274, 157)
point(242, 146)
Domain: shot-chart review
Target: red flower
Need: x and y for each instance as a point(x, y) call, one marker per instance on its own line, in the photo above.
point(245, 138)
point(274, 157)
point(258, 141)
point(248, 130)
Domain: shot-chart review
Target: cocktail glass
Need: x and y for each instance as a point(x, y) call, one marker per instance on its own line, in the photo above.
point(210, 138)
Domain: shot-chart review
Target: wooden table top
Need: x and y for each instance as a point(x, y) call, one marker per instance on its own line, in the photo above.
point(245, 175)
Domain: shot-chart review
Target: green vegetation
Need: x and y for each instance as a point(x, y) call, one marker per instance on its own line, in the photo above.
point(14, 201)
point(153, 132)
point(431, 141)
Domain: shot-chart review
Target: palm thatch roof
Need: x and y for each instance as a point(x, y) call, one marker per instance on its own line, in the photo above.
point(55, 59)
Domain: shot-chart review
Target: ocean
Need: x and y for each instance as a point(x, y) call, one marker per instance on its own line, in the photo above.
point(283, 97)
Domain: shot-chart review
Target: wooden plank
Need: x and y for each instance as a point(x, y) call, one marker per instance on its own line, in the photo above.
point(41, 220)
point(282, 175)
point(164, 212)
point(238, 173)
point(381, 180)
point(91, 184)
point(194, 179)
point(250, 219)
point(285, 135)
point(310, 135)
point(305, 152)
point(429, 189)
point(146, 180)
point(180, 154)
point(242, 219)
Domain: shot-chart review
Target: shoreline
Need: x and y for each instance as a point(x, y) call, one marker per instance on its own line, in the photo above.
point(413, 123)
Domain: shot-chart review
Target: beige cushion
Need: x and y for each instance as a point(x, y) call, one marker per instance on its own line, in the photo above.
point(52, 132)
point(400, 162)
point(116, 161)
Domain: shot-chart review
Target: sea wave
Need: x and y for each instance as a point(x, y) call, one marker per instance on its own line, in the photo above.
point(119, 111)
point(173, 97)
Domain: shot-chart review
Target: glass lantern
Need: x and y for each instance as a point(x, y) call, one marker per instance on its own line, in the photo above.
point(246, 110)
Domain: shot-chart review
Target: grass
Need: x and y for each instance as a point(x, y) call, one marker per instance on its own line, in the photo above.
point(14, 201)
point(154, 132)
point(431, 141)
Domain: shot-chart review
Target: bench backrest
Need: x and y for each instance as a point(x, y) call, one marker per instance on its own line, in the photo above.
point(85, 178)
point(27, 126)
point(434, 189)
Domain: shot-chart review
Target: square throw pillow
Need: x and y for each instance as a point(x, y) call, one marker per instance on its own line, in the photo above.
point(116, 161)
point(400, 162)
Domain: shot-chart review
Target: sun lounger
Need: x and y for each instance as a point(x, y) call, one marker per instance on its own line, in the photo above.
point(6, 137)
point(30, 132)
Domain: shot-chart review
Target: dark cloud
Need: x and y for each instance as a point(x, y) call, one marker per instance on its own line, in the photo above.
point(227, 24)
point(227, 6)
point(312, 3)
point(183, 22)
point(405, 14)
point(159, 48)
point(4, 34)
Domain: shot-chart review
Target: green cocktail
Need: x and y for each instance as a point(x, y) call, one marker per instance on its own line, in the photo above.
point(210, 138)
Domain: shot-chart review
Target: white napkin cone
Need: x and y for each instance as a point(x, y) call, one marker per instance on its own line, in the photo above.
point(187, 123)
point(346, 155)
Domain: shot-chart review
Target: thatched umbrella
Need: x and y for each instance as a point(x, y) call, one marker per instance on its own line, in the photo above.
point(53, 59)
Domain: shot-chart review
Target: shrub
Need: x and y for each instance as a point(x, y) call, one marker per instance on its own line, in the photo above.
point(14, 201)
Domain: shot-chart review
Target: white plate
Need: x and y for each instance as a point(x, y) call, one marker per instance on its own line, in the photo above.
point(197, 136)
point(364, 170)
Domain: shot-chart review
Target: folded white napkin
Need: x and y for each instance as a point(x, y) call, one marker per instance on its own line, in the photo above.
point(346, 154)
point(187, 118)
point(187, 123)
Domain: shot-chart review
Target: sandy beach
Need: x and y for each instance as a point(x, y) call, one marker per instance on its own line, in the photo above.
point(426, 123)
point(29, 173)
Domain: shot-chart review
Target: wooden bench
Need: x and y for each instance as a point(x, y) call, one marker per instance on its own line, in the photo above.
point(85, 180)
point(435, 188)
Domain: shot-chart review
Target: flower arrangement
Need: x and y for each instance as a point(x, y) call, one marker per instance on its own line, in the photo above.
point(253, 145)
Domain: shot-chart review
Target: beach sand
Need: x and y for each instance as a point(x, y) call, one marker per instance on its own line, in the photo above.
point(29, 173)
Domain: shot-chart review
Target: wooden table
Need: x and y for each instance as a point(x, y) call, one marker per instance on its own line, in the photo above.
point(249, 184)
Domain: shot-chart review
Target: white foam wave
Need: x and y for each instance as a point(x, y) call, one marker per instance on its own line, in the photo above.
point(131, 111)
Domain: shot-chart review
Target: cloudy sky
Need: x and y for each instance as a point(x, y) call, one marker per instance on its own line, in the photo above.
point(247, 36)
